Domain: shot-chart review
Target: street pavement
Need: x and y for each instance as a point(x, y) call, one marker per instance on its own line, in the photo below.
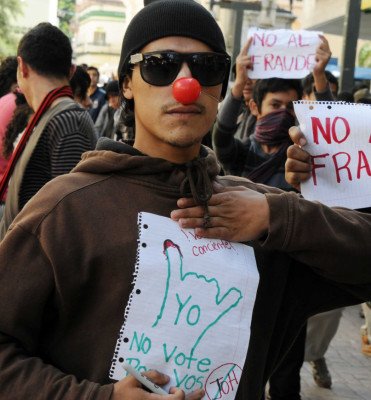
point(349, 368)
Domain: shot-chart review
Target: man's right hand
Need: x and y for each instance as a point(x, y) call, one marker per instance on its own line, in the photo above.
point(298, 165)
point(131, 389)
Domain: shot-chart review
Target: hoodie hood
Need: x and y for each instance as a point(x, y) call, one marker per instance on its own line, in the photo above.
point(194, 177)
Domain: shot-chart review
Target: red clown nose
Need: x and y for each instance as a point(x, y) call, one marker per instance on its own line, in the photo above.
point(186, 90)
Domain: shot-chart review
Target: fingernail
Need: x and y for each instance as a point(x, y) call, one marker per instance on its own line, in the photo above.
point(181, 222)
point(199, 231)
point(181, 203)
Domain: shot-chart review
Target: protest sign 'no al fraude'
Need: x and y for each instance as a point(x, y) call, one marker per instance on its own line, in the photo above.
point(282, 53)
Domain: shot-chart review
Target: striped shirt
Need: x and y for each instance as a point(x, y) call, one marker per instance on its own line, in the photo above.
point(65, 137)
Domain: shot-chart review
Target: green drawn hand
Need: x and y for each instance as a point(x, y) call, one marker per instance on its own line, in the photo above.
point(210, 291)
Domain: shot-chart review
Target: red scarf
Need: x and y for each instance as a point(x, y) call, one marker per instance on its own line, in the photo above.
point(43, 107)
point(274, 127)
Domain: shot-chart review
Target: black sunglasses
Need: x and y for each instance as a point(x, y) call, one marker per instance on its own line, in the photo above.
point(160, 68)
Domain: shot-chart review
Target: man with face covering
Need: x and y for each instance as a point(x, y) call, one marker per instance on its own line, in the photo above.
point(261, 157)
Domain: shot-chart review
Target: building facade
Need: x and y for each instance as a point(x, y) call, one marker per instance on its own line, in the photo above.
point(34, 12)
point(100, 26)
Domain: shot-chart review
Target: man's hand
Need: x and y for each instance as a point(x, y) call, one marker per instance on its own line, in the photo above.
point(323, 55)
point(236, 214)
point(243, 63)
point(298, 166)
point(131, 389)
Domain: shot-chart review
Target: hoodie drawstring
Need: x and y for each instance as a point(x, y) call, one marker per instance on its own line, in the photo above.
point(197, 184)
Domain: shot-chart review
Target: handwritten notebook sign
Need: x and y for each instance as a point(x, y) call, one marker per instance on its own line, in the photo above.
point(282, 53)
point(190, 311)
point(339, 142)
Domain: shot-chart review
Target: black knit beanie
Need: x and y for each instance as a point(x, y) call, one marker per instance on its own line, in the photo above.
point(170, 18)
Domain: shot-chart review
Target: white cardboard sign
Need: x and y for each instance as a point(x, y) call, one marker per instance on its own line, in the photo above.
point(190, 311)
point(339, 142)
point(282, 53)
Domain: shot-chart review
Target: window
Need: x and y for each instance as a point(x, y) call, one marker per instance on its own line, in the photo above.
point(100, 36)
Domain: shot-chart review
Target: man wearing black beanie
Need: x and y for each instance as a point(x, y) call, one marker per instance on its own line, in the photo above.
point(71, 262)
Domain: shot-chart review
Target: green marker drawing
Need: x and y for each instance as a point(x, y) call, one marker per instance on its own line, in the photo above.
point(219, 298)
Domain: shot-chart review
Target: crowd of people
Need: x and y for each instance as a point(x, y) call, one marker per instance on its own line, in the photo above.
point(78, 163)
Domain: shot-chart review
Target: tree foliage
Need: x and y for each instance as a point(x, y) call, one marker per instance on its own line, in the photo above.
point(66, 11)
point(9, 11)
point(364, 56)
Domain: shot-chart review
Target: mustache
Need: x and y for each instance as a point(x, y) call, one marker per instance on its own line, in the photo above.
point(167, 107)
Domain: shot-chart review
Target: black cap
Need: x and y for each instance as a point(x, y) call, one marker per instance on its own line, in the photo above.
point(164, 18)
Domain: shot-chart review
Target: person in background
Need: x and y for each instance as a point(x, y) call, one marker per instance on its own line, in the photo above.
point(261, 157)
point(359, 86)
point(8, 75)
point(97, 95)
point(321, 85)
point(14, 130)
point(321, 328)
point(362, 96)
point(310, 91)
point(234, 115)
point(60, 130)
point(313, 340)
point(80, 83)
point(285, 382)
point(298, 170)
point(124, 132)
point(346, 97)
point(21, 117)
point(366, 329)
point(8, 85)
point(108, 118)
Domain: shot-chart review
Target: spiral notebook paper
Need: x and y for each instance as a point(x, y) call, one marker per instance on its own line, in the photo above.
point(339, 142)
point(189, 314)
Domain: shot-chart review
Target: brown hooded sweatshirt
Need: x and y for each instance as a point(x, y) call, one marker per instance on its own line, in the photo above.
point(67, 263)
